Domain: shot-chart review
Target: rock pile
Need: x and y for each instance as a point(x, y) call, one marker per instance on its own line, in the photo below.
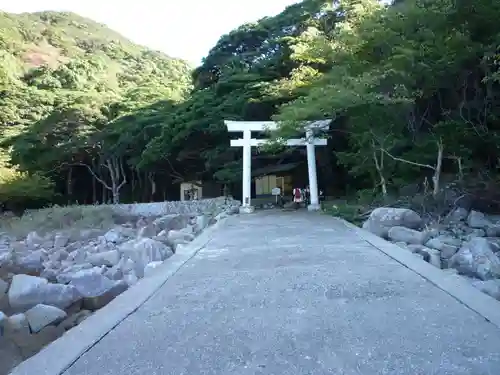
point(50, 283)
point(467, 242)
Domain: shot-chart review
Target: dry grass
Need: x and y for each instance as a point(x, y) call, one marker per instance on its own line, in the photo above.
point(58, 218)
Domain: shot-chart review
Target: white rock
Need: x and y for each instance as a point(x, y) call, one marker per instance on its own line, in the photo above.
point(91, 283)
point(475, 232)
point(478, 220)
point(40, 316)
point(150, 268)
point(233, 210)
point(179, 236)
point(119, 234)
point(17, 323)
point(130, 278)
point(27, 291)
point(58, 255)
point(114, 273)
point(147, 231)
point(77, 256)
point(201, 222)
point(434, 257)
point(60, 240)
point(188, 230)
point(407, 235)
point(172, 221)
point(33, 240)
point(50, 274)
point(383, 218)
point(32, 261)
point(457, 215)
point(24, 289)
point(447, 245)
point(87, 234)
point(67, 276)
point(5, 258)
point(72, 268)
point(431, 256)
point(143, 251)
point(493, 230)
point(476, 259)
point(96, 289)
point(221, 216)
point(494, 243)
point(106, 258)
point(126, 265)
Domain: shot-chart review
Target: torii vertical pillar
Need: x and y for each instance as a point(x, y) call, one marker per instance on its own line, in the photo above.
point(247, 172)
point(311, 168)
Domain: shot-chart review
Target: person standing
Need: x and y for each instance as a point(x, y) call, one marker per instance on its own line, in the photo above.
point(298, 196)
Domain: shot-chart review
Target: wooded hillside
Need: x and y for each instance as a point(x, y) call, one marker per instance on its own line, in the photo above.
point(412, 89)
point(67, 84)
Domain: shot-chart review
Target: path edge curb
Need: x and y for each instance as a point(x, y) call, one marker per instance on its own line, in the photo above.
point(57, 357)
point(453, 285)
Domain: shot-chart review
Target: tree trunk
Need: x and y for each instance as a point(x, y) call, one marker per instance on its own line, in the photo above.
point(114, 165)
point(153, 186)
point(379, 165)
point(69, 184)
point(437, 171)
point(94, 190)
point(133, 174)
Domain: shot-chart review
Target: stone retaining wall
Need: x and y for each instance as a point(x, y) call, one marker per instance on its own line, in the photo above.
point(177, 207)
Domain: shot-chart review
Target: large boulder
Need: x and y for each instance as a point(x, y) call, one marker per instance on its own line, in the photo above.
point(17, 323)
point(174, 238)
point(40, 316)
point(143, 251)
point(476, 259)
point(27, 291)
point(96, 289)
point(106, 258)
point(407, 235)
point(119, 234)
point(384, 218)
point(173, 221)
point(200, 223)
point(478, 220)
point(447, 245)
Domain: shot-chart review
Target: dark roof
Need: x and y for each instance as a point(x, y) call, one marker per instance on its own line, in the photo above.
point(274, 169)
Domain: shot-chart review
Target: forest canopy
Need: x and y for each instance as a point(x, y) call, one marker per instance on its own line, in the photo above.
point(412, 89)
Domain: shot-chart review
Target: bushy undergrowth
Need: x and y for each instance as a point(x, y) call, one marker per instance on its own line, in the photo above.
point(19, 190)
point(478, 192)
point(58, 218)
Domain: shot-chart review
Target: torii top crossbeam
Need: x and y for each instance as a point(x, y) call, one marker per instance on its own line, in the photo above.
point(255, 126)
point(247, 142)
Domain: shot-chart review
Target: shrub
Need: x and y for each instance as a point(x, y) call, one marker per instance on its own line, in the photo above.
point(59, 218)
point(19, 190)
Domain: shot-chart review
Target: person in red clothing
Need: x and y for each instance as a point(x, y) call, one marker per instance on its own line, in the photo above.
point(298, 197)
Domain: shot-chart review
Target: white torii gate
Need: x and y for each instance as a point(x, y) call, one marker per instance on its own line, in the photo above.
point(247, 142)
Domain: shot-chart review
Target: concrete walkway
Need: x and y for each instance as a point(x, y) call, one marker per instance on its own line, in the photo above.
point(296, 294)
